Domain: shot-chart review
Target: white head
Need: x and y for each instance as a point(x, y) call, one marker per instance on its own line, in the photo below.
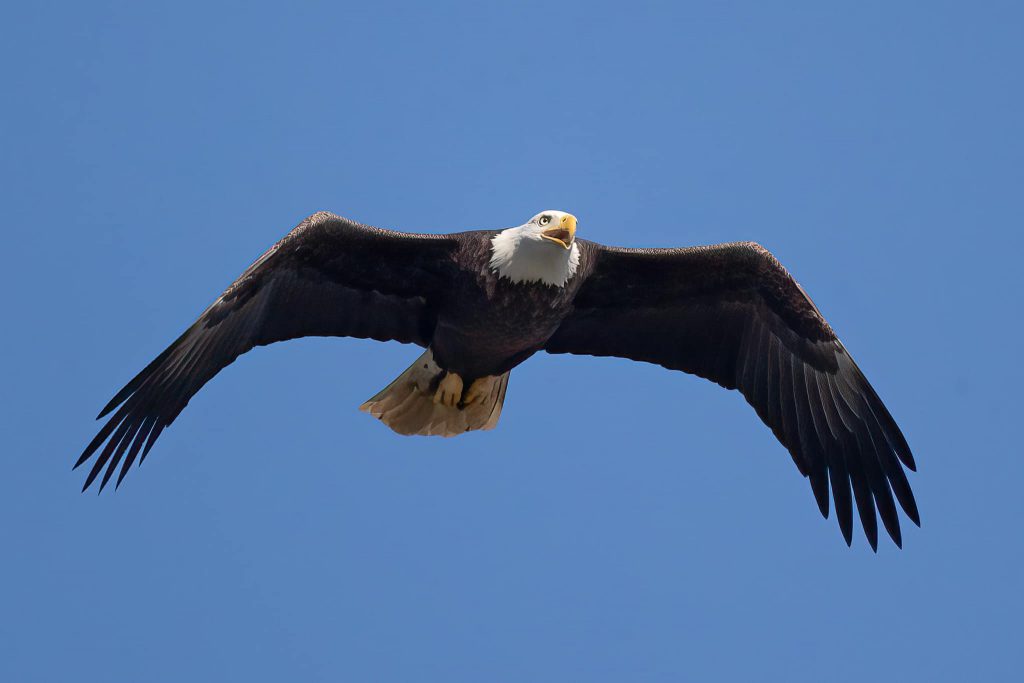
point(542, 250)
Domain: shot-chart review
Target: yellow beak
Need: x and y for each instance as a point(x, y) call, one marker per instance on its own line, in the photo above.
point(563, 233)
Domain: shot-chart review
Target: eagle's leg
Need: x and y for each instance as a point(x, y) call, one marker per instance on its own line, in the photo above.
point(449, 391)
point(478, 390)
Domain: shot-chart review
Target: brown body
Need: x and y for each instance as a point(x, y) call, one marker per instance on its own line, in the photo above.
point(486, 325)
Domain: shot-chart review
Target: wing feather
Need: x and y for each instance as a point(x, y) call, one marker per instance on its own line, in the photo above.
point(732, 314)
point(327, 277)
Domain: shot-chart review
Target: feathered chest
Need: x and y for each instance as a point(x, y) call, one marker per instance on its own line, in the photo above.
point(513, 310)
point(489, 321)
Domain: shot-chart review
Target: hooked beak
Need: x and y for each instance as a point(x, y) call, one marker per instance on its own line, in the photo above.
point(563, 233)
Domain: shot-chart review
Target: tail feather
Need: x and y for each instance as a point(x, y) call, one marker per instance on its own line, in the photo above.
point(407, 405)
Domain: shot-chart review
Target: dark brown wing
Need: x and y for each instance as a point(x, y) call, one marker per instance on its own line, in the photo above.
point(327, 277)
point(732, 314)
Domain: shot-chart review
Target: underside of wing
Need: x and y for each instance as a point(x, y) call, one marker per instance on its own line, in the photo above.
point(327, 277)
point(732, 314)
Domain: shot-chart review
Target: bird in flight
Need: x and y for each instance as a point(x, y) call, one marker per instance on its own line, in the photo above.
point(482, 302)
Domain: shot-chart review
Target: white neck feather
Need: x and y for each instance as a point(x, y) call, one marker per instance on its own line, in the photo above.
point(521, 259)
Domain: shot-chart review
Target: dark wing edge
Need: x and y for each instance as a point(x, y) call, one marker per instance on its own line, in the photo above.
point(731, 313)
point(327, 277)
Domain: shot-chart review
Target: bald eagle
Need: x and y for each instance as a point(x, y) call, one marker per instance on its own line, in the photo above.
point(482, 302)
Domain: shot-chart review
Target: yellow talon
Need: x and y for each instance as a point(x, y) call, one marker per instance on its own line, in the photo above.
point(449, 391)
point(478, 390)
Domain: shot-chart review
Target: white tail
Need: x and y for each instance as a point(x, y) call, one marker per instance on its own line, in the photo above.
point(407, 404)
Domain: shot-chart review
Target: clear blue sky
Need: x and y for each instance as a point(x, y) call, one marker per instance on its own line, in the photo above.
point(276, 533)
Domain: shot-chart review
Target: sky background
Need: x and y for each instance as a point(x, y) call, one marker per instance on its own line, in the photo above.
point(656, 531)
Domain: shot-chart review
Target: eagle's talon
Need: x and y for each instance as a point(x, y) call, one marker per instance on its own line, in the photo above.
point(449, 391)
point(478, 391)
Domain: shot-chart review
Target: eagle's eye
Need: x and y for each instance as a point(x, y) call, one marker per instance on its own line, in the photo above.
point(544, 220)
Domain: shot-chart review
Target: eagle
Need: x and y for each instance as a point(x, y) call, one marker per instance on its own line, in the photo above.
point(481, 302)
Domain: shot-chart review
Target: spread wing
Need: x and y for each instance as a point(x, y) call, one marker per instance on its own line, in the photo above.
point(732, 314)
point(327, 277)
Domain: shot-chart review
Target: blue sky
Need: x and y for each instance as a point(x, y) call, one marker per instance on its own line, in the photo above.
point(276, 533)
